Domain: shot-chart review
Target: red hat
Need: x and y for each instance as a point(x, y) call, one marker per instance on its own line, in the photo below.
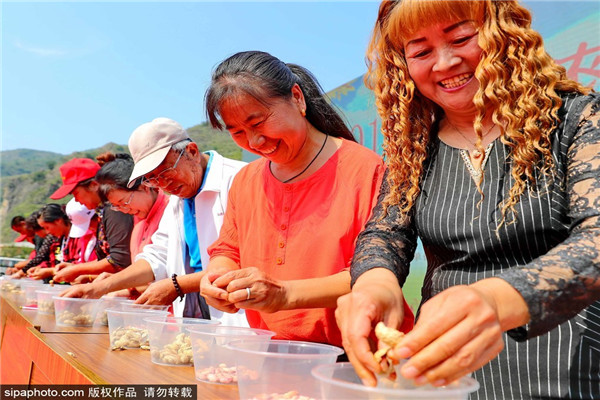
point(72, 172)
point(21, 238)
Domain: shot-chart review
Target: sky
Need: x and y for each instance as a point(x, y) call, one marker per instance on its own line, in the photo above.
point(77, 75)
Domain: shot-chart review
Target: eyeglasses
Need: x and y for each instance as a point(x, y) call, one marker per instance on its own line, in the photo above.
point(154, 181)
point(125, 206)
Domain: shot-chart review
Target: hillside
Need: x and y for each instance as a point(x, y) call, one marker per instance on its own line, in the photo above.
point(28, 177)
point(25, 161)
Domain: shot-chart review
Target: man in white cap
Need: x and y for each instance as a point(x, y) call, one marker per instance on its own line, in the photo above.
point(167, 158)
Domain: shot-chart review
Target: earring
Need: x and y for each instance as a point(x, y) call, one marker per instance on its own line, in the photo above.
point(303, 112)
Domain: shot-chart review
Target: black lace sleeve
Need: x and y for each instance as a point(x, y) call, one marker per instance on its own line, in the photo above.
point(43, 254)
point(385, 242)
point(561, 283)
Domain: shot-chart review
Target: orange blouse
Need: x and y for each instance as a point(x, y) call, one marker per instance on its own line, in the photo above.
point(143, 229)
point(306, 229)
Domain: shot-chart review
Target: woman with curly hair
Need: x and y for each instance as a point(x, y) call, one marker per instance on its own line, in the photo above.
point(493, 162)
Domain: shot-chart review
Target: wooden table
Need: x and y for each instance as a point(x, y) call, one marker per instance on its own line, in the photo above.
point(34, 350)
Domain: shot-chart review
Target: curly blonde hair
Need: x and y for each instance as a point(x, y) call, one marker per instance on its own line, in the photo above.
point(518, 82)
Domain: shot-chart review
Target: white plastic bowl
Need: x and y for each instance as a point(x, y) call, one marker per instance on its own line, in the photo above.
point(170, 343)
point(109, 302)
point(128, 330)
point(282, 368)
point(45, 302)
point(145, 307)
point(214, 362)
point(339, 381)
point(12, 289)
point(73, 311)
point(30, 288)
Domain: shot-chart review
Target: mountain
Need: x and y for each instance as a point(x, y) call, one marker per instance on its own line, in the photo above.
point(28, 177)
point(25, 161)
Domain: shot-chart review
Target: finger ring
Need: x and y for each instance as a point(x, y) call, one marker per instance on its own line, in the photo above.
point(248, 291)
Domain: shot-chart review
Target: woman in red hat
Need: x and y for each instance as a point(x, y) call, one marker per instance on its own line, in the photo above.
point(146, 204)
point(114, 227)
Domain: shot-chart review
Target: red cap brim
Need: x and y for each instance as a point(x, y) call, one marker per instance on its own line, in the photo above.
point(21, 238)
point(63, 191)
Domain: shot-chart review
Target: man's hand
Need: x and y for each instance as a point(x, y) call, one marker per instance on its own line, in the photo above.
point(160, 292)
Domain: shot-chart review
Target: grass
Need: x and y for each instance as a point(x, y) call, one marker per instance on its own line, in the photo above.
point(413, 284)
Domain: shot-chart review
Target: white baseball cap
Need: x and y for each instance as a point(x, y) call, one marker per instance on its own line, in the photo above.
point(150, 143)
point(80, 217)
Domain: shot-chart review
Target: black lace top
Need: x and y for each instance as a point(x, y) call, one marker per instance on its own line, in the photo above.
point(550, 253)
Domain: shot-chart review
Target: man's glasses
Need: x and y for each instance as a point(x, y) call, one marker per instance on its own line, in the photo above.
point(162, 176)
point(125, 206)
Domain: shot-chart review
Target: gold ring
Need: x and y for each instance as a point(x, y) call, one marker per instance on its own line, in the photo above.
point(248, 291)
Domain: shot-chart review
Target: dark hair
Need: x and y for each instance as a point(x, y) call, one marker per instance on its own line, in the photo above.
point(52, 212)
point(263, 77)
point(114, 173)
point(31, 221)
point(18, 220)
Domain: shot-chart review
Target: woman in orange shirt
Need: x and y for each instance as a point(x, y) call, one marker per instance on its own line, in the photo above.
point(293, 215)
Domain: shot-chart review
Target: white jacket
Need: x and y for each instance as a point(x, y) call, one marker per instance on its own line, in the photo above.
point(167, 254)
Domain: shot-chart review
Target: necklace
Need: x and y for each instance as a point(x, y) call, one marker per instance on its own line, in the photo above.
point(474, 172)
point(309, 164)
point(476, 153)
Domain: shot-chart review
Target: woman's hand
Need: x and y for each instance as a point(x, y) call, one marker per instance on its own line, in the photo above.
point(376, 296)
point(103, 276)
point(215, 296)
point(86, 291)
point(66, 274)
point(62, 265)
point(84, 278)
point(265, 293)
point(460, 330)
point(40, 273)
point(18, 275)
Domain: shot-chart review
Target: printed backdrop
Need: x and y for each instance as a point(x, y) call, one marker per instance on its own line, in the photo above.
point(571, 31)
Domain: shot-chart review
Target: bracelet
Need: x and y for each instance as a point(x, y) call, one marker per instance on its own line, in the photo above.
point(177, 287)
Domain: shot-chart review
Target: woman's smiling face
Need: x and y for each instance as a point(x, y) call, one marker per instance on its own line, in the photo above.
point(276, 131)
point(442, 59)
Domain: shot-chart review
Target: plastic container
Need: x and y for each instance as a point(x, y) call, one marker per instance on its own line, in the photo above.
point(128, 330)
point(145, 307)
point(7, 283)
point(73, 311)
point(11, 288)
point(30, 288)
point(170, 344)
point(109, 302)
point(45, 302)
point(282, 370)
point(214, 362)
point(339, 381)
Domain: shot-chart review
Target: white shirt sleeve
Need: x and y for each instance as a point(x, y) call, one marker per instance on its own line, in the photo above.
point(155, 253)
